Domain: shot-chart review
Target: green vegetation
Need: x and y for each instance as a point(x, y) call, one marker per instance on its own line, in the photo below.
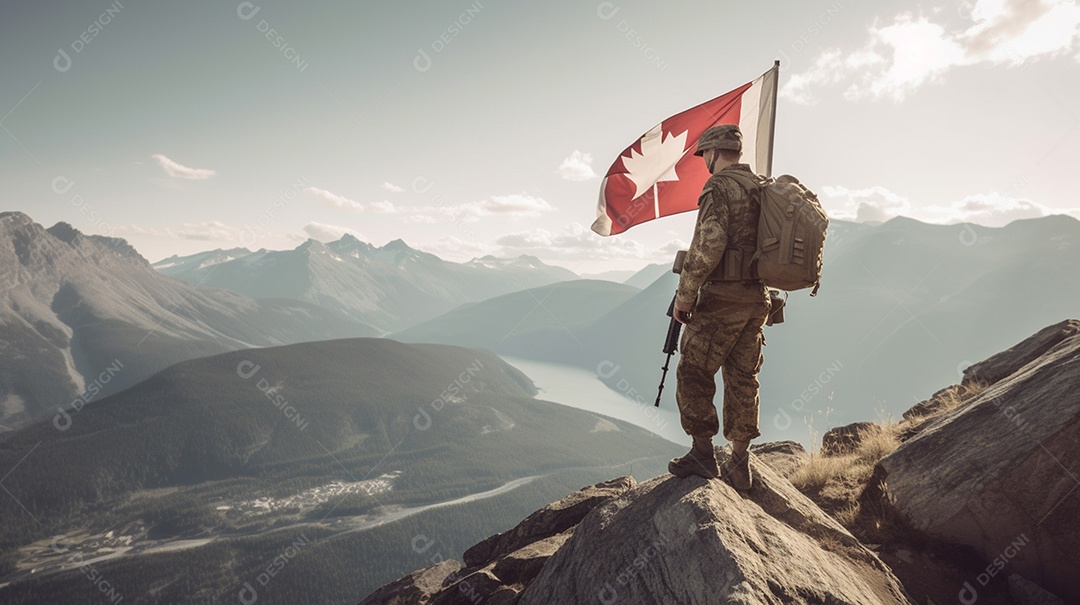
point(199, 451)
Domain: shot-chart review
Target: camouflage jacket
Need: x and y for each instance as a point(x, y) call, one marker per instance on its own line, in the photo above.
point(727, 217)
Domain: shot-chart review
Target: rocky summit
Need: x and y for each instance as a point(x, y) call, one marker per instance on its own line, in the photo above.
point(663, 541)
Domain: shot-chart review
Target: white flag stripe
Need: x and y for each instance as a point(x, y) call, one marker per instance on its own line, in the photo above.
point(766, 121)
point(755, 122)
point(749, 116)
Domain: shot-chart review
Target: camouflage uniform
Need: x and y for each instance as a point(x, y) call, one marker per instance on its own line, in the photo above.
point(727, 326)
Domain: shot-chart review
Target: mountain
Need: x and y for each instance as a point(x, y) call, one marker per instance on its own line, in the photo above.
point(184, 264)
point(342, 453)
point(517, 323)
point(391, 287)
point(615, 275)
point(646, 276)
point(84, 316)
point(903, 294)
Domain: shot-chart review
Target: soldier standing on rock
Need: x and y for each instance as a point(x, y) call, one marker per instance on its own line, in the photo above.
point(724, 309)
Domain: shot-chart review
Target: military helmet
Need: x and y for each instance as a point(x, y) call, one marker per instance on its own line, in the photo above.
point(724, 136)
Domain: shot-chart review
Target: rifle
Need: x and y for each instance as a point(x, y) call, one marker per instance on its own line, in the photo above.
point(777, 299)
point(671, 343)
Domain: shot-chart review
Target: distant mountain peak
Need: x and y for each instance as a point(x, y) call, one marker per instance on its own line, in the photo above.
point(396, 245)
point(64, 232)
point(311, 244)
point(15, 217)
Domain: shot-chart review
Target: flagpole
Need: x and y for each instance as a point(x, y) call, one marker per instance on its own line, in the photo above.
point(772, 124)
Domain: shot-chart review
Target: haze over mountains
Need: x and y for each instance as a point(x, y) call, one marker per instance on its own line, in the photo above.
point(903, 307)
point(902, 294)
point(391, 287)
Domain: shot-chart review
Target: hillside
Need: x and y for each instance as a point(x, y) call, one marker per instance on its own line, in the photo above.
point(391, 287)
point(358, 444)
point(516, 324)
point(85, 316)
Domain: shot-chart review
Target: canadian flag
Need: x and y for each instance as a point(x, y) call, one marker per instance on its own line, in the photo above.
point(659, 175)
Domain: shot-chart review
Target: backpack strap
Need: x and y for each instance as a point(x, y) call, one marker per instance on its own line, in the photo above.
point(737, 264)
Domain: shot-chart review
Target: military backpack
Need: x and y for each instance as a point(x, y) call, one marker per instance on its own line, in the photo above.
point(791, 232)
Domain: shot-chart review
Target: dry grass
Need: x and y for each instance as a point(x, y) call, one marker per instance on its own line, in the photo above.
point(839, 483)
point(819, 470)
point(875, 443)
point(845, 485)
point(950, 400)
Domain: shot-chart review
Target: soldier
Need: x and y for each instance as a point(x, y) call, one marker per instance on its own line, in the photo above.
point(724, 308)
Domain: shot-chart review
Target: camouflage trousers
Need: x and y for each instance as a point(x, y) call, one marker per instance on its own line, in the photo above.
point(729, 336)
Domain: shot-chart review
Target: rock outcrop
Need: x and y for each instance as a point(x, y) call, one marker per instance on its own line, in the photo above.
point(1009, 362)
point(667, 541)
point(1000, 472)
point(497, 569)
point(784, 457)
point(696, 541)
point(845, 439)
point(416, 587)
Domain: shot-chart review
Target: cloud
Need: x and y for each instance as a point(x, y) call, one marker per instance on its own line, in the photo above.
point(206, 231)
point(341, 202)
point(577, 167)
point(177, 170)
point(671, 248)
point(878, 204)
point(574, 242)
point(872, 204)
point(992, 210)
point(392, 187)
point(907, 53)
point(514, 205)
point(457, 249)
point(329, 233)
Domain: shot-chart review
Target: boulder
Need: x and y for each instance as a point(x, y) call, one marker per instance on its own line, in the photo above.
point(692, 541)
point(497, 569)
point(784, 457)
point(1008, 362)
point(553, 519)
point(503, 579)
point(937, 402)
point(417, 587)
point(844, 439)
point(1000, 474)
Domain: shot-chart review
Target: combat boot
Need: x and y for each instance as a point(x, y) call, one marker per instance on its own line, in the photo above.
point(700, 461)
point(737, 471)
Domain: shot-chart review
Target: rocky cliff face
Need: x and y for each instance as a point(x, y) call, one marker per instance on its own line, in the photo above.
point(1001, 473)
point(663, 541)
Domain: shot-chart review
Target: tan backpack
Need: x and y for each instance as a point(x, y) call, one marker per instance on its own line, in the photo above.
point(791, 231)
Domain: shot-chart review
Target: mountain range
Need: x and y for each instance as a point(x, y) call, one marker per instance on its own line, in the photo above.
point(83, 316)
point(903, 294)
point(390, 287)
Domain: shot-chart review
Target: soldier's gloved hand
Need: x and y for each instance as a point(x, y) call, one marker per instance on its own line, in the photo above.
point(682, 312)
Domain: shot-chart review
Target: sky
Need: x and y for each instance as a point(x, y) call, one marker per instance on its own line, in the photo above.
point(483, 127)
